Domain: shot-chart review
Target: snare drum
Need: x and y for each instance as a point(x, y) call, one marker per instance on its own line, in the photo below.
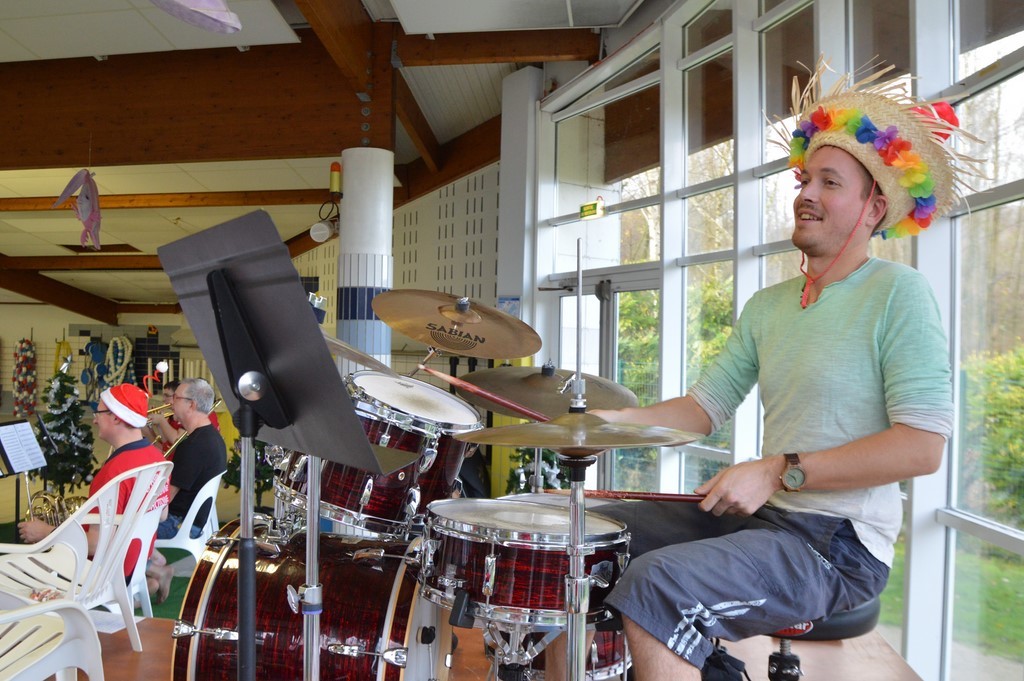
point(371, 604)
point(510, 558)
point(401, 413)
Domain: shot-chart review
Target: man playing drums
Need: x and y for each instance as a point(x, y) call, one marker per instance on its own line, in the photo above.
point(852, 365)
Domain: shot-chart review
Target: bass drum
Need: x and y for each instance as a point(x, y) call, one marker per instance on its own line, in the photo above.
point(371, 604)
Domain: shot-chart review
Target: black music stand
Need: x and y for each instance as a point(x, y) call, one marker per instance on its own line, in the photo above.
point(242, 297)
point(20, 453)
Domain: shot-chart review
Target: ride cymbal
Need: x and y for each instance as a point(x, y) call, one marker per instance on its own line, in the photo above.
point(543, 389)
point(579, 434)
point(456, 325)
point(343, 349)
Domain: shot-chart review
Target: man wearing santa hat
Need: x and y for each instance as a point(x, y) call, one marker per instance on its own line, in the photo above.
point(119, 416)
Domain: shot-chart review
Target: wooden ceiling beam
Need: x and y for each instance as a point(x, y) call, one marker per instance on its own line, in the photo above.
point(53, 292)
point(271, 102)
point(148, 308)
point(57, 263)
point(465, 154)
point(346, 30)
point(497, 47)
point(282, 197)
point(415, 123)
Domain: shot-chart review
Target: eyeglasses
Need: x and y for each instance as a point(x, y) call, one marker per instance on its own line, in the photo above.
point(182, 397)
point(97, 412)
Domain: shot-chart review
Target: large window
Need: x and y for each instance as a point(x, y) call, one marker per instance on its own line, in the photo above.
point(703, 221)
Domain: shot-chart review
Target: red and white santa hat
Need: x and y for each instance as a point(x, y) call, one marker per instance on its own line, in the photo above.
point(128, 402)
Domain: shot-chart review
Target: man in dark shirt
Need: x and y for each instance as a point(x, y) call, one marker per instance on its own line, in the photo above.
point(202, 455)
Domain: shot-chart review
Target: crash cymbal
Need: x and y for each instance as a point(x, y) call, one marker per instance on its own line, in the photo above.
point(579, 434)
point(343, 349)
point(456, 325)
point(541, 389)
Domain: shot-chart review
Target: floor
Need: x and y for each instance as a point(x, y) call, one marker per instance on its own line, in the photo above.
point(865, 657)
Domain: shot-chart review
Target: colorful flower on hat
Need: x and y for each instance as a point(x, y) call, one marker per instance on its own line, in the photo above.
point(896, 152)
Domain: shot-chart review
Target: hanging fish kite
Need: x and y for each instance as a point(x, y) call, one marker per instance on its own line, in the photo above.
point(87, 207)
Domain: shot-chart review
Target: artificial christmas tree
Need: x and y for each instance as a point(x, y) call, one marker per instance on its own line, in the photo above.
point(73, 463)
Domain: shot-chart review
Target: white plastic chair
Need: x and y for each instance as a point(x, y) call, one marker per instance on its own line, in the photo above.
point(60, 561)
point(43, 639)
point(138, 588)
point(182, 540)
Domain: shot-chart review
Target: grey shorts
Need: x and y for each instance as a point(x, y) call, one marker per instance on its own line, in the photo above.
point(693, 577)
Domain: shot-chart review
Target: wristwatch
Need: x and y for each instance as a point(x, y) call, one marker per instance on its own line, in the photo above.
point(793, 477)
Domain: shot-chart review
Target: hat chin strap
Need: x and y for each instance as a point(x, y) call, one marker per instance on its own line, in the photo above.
point(803, 256)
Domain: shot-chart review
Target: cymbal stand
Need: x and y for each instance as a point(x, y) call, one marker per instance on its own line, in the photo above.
point(577, 583)
point(309, 597)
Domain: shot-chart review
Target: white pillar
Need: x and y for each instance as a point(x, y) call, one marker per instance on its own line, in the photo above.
point(365, 265)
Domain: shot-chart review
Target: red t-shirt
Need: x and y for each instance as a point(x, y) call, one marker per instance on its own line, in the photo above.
point(133, 455)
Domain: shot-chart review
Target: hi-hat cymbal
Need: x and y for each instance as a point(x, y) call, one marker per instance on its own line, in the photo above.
point(579, 434)
point(539, 389)
point(456, 325)
point(339, 347)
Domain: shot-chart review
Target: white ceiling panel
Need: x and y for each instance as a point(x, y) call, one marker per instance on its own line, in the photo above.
point(86, 34)
point(455, 99)
point(61, 29)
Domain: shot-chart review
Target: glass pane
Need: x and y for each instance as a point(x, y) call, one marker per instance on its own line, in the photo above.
point(988, 632)
point(988, 31)
point(699, 469)
point(710, 222)
point(780, 190)
point(709, 128)
point(712, 25)
point(992, 364)
point(637, 368)
point(786, 47)
point(619, 239)
point(890, 621)
point(997, 116)
point(881, 34)
point(897, 250)
point(637, 362)
point(709, 318)
point(589, 337)
point(769, 5)
point(601, 149)
point(778, 267)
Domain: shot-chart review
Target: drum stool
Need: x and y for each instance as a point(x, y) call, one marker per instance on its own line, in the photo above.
point(784, 665)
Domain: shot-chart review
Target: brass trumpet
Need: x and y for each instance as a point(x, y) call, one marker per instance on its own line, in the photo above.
point(162, 408)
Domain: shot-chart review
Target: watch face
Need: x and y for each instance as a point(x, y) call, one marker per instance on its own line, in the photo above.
point(794, 478)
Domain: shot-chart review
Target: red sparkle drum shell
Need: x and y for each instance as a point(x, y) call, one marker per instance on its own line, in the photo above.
point(398, 413)
point(517, 551)
point(372, 603)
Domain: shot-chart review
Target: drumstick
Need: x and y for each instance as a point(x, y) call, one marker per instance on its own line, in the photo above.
point(641, 496)
point(525, 412)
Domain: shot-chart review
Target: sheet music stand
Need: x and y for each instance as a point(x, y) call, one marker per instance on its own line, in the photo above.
point(242, 297)
point(20, 453)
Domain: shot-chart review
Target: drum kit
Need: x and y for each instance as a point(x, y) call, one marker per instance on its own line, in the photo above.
point(404, 557)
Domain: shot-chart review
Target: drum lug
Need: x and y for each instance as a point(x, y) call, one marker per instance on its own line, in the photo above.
point(367, 493)
point(184, 629)
point(367, 555)
point(298, 473)
point(430, 547)
point(429, 456)
point(412, 504)
point(397, 657)
point(490, 563)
